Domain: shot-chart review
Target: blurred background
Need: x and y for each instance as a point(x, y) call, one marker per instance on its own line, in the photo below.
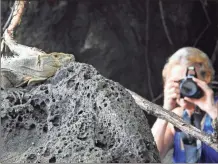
point(127, 41)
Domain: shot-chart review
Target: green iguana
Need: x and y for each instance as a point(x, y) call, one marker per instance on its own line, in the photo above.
point(29, 65)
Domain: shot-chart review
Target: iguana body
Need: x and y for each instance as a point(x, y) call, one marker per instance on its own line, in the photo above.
point(29, 65)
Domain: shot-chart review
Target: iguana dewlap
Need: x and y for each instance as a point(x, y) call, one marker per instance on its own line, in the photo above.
point(29, 65)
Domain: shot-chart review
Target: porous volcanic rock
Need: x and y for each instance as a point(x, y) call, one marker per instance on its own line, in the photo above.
point(76, 116)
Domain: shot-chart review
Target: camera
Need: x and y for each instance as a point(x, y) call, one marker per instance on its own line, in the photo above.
point(188, 88)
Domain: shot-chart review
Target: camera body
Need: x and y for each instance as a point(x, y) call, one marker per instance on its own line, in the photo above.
point(189, 88)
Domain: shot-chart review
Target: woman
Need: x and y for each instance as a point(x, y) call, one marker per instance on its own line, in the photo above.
point(186, 148)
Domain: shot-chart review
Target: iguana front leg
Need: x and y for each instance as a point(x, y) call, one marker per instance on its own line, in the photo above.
point(31, 80)
point(25, 81)
point(36, 80)
point(17, 95)
point(5, 82)
point(9, 78)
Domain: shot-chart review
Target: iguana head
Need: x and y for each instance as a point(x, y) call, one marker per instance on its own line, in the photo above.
point(62, 58)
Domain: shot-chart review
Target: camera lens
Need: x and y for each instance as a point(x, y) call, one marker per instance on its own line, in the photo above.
point(188, 88)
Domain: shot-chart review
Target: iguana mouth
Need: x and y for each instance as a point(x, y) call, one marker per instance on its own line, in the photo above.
point(66, 60)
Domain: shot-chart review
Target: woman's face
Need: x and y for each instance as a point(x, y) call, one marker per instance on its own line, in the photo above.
point(179, 72)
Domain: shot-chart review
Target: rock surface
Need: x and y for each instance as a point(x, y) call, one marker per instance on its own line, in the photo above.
point(76, 116)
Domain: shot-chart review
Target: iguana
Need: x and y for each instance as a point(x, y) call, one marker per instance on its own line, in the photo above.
point(29, 65)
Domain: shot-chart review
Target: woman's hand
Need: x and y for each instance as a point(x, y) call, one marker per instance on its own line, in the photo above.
point(171, 93)
point(206, 103)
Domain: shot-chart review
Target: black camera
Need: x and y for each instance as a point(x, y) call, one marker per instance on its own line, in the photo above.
point(188, 88)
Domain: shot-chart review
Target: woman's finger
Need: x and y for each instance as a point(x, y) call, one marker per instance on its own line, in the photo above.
point(203, 85)
point(172, 82)
point(172, 85)
point(173, 90)
point(174, 96)
point(174, 79)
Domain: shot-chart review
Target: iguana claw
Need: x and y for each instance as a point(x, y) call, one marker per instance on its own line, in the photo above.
point(18, 95)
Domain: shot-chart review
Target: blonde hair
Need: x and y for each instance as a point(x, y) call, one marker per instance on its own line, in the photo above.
point(190, 56)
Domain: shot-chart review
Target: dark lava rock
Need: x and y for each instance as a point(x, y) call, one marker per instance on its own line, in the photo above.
point(76, 116)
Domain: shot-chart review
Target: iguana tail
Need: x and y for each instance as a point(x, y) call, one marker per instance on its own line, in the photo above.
point(17, 14)
point(16, 48)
